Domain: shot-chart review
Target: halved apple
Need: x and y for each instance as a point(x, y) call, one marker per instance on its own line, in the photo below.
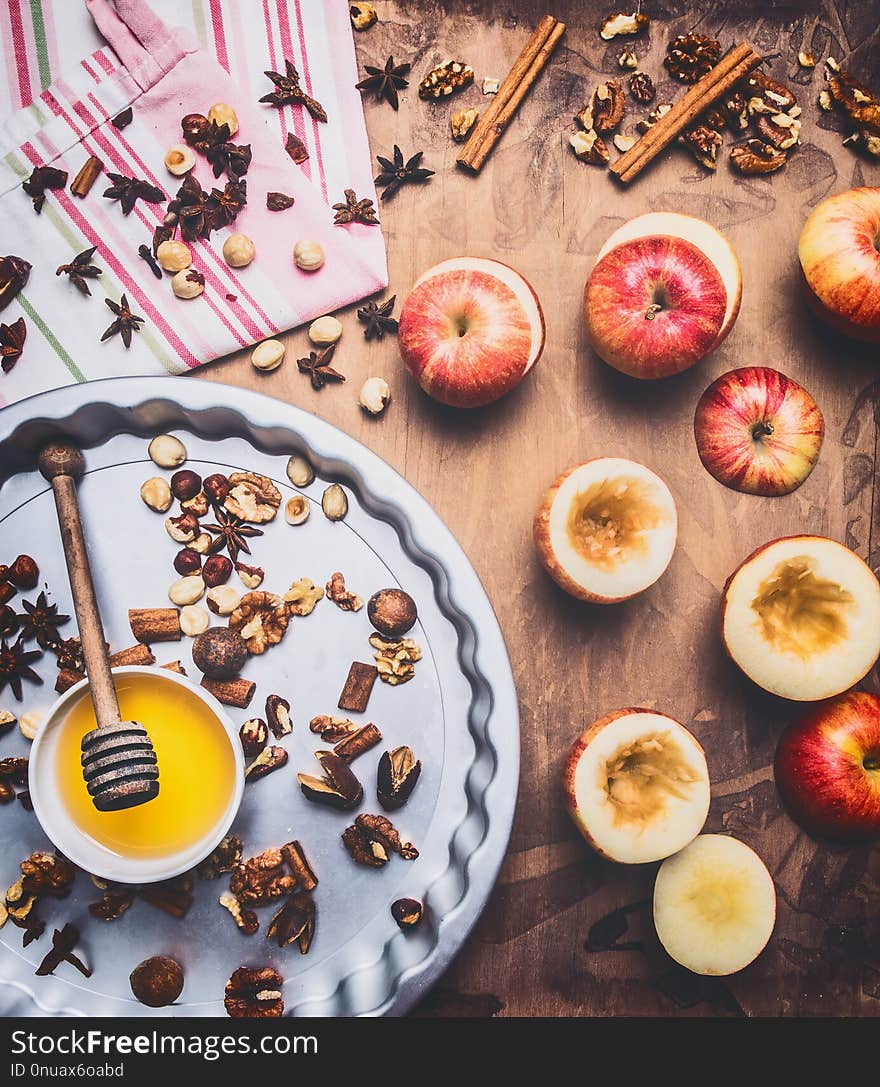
point(801, 617)
point(637, 786)
point(606, 529)
point(714, 905)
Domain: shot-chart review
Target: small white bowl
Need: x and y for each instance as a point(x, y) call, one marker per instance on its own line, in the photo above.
point(79, 847)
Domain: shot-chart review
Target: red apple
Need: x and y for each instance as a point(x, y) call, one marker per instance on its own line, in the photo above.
point(828, 768)
point(839, 251)
point(654, 306)
point(470, 329)
point(757, 431)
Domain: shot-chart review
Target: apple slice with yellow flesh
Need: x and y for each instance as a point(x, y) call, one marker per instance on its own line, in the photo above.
point(714, 905)
point(637, 786)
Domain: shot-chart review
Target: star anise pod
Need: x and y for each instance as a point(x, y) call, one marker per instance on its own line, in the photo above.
point(225, 205)
point(397, 172)
point(193, 212)
point(209, 135)
point(231, 533)
point(317, 366)
point(128, 190)
point(12, 339)
point(234, 158)
point(126, 322)
point(69, 654)
point(386, 82)
point(288, 91)
point(41, 180)
point(41, 620)
point(80, 269)
point(355, 211)
point(378, 318)
point(15, 665)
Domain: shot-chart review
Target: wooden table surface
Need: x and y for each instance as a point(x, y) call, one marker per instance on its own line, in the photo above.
point(566, 933)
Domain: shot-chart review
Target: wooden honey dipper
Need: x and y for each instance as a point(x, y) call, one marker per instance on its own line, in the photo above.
point(118, 760)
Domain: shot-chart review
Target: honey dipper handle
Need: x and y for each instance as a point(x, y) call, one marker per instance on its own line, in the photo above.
point(62, 465)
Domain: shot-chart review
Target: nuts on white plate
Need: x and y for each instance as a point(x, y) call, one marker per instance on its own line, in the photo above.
point(309, 256)
point(167, 451)
point(179, 159)
point(334, 503)
point(29, 724)
point(194, 620)
point(324, 331)
point(268, 355)
point(224, 115)
point(186, 590)
point(156, 494)
point(374, 396)
point(223, 600)
point(297, 510)
point(239, 250)
point(173, 256)
point(188, 283)
point(299, 471)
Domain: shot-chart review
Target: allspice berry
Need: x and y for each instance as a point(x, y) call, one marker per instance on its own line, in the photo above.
point(392, 612)
point(157, 982)
point(220, 652)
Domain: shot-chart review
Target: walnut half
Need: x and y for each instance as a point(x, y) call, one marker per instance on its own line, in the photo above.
point(756, 157)
point(252, 497)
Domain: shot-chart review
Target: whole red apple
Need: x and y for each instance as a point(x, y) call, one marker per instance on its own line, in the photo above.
point(654, 306)
point(757, 431)
point(470, 329)
point(839, 251)
point(828, 768)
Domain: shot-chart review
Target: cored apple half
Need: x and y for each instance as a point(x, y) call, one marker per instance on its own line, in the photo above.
point(801, 618)
point(470, 329)
point(606, 529)
point(714, 905)
point(637, 786)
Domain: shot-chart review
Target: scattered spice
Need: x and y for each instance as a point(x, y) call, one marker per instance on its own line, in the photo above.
point(355, 211)
point(41, 620)
point(289, 92)
point(112, 904)
point(128, 190)
point(317, 365)
point(690, 56)
point(172, 896)
point(162, 233)
point(63, 943)
point(12, 339)
point(278, 201)
point(385, 82)
point(377, 318)
point(145, 253)
point(122, 120)
point(231, 534)
point(15, 665)
point(69, 654)
point(14, 272)
point(80, 269)
point(296, 148)
point(126, 322)
point(298, 862)
point(397, 172)
point(42, 179)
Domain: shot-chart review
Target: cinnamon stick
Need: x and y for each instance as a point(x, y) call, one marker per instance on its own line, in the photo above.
point(236, 692)
point(733, 67)
point(519, 81)
point(155, 624)
point(136, 654)
point(91, 170)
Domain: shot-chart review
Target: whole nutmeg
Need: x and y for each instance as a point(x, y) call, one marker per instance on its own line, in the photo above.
point(392, 612)
point(239, 250)
point(222, 114)
point(194, 127)
point(167, 451)
point(179, 160)
point(157, 982)
point(185, 484)
point(253, 735)
point(23, 573)
point(220, 652)
point(308, 256)
point(173, 256)
point(187, 562)
point(217, 570)
point(216, 487)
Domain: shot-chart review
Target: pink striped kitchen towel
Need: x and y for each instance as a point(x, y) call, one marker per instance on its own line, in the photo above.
point(57, 110)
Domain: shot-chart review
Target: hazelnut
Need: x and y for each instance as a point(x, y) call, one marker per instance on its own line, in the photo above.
point(250, 576)
point(334, 503)
point(219, 652)
point(186, 590)
point(157, 982)
point(179, 160)
point(185, 484)
point(216, 487)
point(167, 451)
point(156, 494)
point(187, 562)
point(173, 256)
point(217, 570)
point(224, 115)
point(297, 510)
point(198, 504)
point(202, 543)
point(194, 620)
point(223, 600)
point(29, 724)
point(407, 912)
point(308, 256)
point(239, 250)
point(188, 283)
point(182, 529)
point(268, 355)
point(253, 735)
point(23, 573)
point(324, 331)
point(194, 127)
point(392, 612)
point(374, 395)
point(299, 471)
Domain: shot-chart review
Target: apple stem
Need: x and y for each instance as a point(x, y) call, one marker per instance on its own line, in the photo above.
point(762, 430)
point(652, 311)
point(871, 762)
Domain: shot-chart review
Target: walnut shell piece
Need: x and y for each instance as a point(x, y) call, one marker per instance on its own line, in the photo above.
point(756, 157)
point(157, 981)
point(294, 922)
point(461, 122)
point(396, 777)
point(254, 994)
point(261, 619)
point(252, 498)
point(219, 652)
point(392, 612)
point(338, 789)
point(269, 759)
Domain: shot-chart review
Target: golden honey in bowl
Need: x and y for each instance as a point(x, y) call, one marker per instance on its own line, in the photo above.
point(196, 770)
